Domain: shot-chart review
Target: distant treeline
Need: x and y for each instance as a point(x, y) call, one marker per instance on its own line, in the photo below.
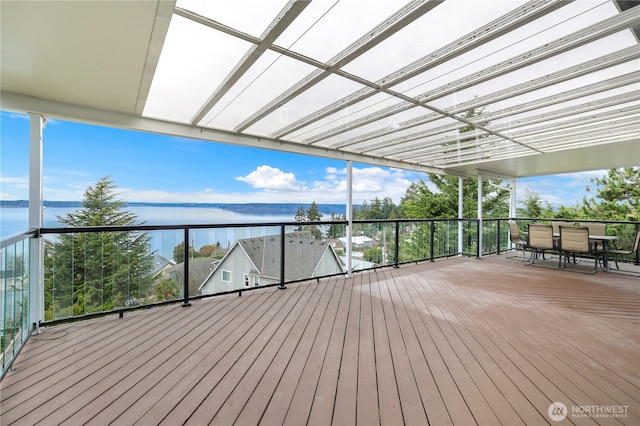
point(248, 208)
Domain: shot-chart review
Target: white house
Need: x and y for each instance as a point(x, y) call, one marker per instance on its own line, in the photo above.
point(253, 262)
point(360, 241)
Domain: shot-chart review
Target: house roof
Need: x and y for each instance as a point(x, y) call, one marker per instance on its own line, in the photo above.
point(160, 262)
point(357, 240)
point(302, 254)
point(556, 81)
point(199, 270)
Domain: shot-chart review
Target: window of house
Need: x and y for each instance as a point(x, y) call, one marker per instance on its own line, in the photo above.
point(256, 281)
point(246, 280)
point(226, 276)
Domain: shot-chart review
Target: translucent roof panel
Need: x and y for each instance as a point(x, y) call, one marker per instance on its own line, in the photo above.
point(270, 76)
point(193, 62)
point(235, 14)
point(343, 21)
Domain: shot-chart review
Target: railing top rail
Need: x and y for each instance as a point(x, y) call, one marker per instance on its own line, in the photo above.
point(555, 219)
point(118, 228)
point(12, 239)
point(143, 227)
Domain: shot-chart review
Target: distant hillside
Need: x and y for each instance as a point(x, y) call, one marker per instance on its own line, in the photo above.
point(249, 208)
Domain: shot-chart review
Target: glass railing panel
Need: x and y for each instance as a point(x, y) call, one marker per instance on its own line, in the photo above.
point(167, 247)
point(373, 245)
point(470, 237)
point(445, 238)
point(92, 272)
point(625, 234)
point(495, 236)
point(14, 298)
point(414, 241)
point(335, 235)
point(238, 258)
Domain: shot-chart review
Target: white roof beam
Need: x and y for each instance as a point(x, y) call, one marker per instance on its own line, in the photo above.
point(164, 12)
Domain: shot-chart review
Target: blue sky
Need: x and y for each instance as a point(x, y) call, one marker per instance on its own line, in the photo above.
point(155, 168)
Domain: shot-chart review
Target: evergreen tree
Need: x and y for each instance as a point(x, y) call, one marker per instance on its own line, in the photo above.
point(300, 216)
point(96, 271)
point(336, 231)
point(373, 255)
point(167, 290)
point(376, 209)
point(533, 206)
point(313, 214)
point(617, 195)
point(421, 201)
point(178, 252)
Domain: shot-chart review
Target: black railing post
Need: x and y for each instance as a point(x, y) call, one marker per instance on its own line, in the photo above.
point(637, 251)
point(397, 249)
point(282, 286)
point(185, 286)
point(432, 230)
point(498, 236)
point(478, 242)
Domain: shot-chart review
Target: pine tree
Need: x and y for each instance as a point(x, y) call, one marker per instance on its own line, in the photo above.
point(96, 271)
point(534, 206)
point(313, 214)
point(617, 195)
point(421, 201)
point(336, 231)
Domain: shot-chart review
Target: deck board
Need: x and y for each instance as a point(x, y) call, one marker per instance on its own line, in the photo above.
point(460, 341)
point(389, 399)
point(325, 394)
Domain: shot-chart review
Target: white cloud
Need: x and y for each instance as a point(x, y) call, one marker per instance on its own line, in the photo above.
point(581, 179)
point(269, 185)
point(14, 187)
point(566, 189)
point(371, 182)
point(272, 185)
point(271, 179)
point(16, 181)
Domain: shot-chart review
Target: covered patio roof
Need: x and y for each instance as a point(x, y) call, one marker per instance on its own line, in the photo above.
point(498, 88)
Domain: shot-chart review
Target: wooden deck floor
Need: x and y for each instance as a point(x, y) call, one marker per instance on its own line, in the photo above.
point(461, 341)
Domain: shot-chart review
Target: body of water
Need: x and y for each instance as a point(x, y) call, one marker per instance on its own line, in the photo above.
point(16, 220)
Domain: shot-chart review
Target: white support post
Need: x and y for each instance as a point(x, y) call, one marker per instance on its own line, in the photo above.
point(36, 250)
point(460, 214)
point(512, 199)
point(349, 214)
point(479, 216)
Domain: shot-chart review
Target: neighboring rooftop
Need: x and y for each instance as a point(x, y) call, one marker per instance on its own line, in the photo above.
point(302, 251)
